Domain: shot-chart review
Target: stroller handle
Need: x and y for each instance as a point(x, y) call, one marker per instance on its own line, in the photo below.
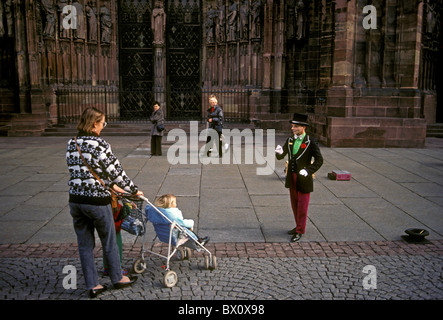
point(179, 227)
point(134, 197)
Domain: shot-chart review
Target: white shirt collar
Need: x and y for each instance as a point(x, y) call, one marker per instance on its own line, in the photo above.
point(296, 137)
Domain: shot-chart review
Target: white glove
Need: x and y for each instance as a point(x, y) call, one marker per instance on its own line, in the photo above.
point(303, 172)
point(279, 149)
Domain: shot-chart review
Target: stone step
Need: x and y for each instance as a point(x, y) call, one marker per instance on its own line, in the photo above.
point(434, 130)
point(27, 124)
point(135, 129)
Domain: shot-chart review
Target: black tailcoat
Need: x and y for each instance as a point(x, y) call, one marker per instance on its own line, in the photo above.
point(302, 160)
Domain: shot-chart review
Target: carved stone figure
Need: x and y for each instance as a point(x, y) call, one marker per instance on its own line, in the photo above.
point(290, 31)
point(158, 23)
point(244, 20)
point(300, 19)
point(256, 19)
point(232, 21)
point(220, 27)
point(210, 25)
point(2, 27)
point(64, 33)
point(51, 18)
point(106, 24)
point(80, 32)
point(91, 17)
point(9, 19)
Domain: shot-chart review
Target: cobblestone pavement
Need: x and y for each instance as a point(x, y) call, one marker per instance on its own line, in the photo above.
point(251, 271)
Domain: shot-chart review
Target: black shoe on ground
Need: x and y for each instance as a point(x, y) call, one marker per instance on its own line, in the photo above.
point(93, 293)
point(292, 232)
point(296, 237)
point(204, 240)
point(121, 285)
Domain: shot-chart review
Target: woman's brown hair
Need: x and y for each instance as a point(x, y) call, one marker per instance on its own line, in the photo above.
point(89, 117)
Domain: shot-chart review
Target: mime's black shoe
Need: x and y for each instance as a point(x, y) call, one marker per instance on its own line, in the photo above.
point(296, 237)
point(293, 231)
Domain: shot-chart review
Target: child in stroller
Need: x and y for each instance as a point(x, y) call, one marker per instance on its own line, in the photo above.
point(167, 204)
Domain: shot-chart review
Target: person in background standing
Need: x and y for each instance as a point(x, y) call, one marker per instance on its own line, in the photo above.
point(215, 121)
point(158, 126)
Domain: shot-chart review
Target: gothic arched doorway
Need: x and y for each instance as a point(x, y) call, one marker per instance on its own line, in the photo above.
point(183, 32)
point(159, 58)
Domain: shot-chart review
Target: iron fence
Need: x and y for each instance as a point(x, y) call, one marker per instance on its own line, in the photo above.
point(137, 105)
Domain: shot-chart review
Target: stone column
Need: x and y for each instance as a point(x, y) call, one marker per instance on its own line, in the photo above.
point(267, 43)
point(158, 25)
point(340, 101)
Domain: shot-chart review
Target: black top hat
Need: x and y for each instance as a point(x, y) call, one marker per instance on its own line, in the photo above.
point(300, 119)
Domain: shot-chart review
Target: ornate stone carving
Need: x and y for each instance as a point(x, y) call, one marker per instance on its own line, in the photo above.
point(91, 18)
point(159, 23)
point(80, 31)
point(256, 23)
point(220, 27)
point(232, 21)
point(50, 12)
point(210, 25)
point(105, 24)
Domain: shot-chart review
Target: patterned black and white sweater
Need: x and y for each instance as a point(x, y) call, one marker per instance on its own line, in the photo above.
point(84, 187)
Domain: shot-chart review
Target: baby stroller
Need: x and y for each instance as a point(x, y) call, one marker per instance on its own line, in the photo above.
point(180, 240)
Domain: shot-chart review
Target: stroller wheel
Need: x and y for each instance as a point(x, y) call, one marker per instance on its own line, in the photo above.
point(181, 254)
point(184, 253)
point(211, 264)
point(170, 279)
point(139, 266)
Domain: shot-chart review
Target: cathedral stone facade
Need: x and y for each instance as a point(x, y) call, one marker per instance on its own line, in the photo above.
point(365, 72)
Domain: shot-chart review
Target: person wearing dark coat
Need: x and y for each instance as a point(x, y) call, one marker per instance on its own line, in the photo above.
point(215, 122)
point(301, 149)
point(158, 121)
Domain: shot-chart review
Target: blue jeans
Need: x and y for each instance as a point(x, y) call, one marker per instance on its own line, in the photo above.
point(88, 218)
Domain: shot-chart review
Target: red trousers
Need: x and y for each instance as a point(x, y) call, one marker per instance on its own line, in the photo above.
point(299, 203)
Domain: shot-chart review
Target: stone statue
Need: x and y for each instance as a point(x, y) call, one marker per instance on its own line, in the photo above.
point(256, 19)
point(9, 19)
point(221, 22)
point(64, 33)
point(300, 19)
point(91, 17)
point(210, 25)
point(291, 25)
point(80, 32)
point(106, 24)
point(158, 23)
point(232, 21)
point(51, 18)
point(244, 20)
point(2, 27)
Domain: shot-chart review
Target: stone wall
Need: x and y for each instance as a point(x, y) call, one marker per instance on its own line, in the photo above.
point(370, 90)
point(360, 86)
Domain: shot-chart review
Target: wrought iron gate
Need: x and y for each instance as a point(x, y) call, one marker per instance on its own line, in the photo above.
point(184, 32)
point(135, 59)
